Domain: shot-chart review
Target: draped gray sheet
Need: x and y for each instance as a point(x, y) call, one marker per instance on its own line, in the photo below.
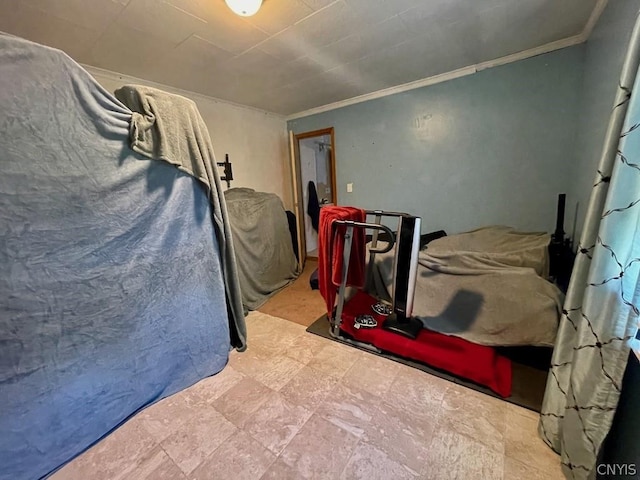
point(111, 292)
point(263, 248)
point(485, 286)
point(168, 127)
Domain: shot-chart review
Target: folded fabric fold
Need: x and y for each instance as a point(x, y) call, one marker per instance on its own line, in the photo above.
point(169, 127)
point(330, 251)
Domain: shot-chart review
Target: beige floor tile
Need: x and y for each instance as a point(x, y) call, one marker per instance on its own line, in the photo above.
point(373, 419)
point(259, 324)
point(319, 450)
point(372, 374)
point(523, 443)
point(305, 346)
point(404, 438)
point(200, 435)
point(277, 370)
point(292, 328)
point(308, 388)
point(211, 388)
point(241, 400)
point(370, 463)
point(458, 457)
point(239, 458)
point(250, 361)
point(114, 457)
point(523, 412)
point(349, 408)
point(281, 471)
point(271, 334)
point(276, 422)
point(166, 416)
point(158, 466)
point(417, 392)
point(475, 415)
point(335, 359)
point(516, 470)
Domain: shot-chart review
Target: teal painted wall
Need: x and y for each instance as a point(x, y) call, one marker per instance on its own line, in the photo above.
point(491, 148)
point(604, 55)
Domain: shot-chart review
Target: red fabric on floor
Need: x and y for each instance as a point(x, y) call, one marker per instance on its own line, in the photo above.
point(330, 252)
point(478, 363)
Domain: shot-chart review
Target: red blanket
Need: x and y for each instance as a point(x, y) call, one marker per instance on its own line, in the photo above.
point(330, 252)
point(478, 363)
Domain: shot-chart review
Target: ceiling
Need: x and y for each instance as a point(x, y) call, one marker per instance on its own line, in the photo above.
point(294, 54)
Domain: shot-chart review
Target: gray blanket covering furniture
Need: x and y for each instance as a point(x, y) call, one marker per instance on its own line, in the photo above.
point(112, 293)
point(264, 252)
point(169, 127)
point(487, 286)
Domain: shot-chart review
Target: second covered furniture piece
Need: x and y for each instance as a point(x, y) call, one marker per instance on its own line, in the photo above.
point(487, 286)
point(262, 240)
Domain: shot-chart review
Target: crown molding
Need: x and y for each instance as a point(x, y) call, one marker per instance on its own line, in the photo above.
point(593, 19)
point(463, 72)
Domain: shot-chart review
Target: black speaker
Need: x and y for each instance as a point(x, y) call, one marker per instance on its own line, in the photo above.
point(404, 278)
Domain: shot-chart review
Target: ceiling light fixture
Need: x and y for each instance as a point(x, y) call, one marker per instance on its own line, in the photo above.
point(244, 8)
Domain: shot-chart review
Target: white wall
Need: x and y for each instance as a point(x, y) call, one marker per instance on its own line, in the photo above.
point(323, 177)
point(256, 141)
point(308, 174)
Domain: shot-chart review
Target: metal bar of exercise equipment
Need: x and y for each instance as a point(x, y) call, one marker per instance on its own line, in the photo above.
point(377, 227)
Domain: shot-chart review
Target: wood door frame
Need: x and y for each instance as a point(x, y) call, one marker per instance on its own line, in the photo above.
point(332, 157)
point(297, 200)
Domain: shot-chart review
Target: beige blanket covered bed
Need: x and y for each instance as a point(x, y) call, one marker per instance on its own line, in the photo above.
point(487, 286)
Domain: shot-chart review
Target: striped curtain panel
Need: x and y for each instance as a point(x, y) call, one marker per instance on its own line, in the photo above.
point(600, 317)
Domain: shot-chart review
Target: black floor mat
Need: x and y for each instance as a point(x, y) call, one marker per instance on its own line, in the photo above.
point(529, 369)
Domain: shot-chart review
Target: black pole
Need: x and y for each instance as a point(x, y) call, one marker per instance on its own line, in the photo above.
point(559, 233)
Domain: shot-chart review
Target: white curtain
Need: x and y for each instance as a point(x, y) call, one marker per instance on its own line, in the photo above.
point(600, 314)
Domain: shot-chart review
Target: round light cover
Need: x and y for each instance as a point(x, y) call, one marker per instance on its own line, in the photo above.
point(244, 8)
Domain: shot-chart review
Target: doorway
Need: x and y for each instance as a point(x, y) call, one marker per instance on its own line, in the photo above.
point(314, 180)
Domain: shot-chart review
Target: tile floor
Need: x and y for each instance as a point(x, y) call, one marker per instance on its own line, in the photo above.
point(295, 405)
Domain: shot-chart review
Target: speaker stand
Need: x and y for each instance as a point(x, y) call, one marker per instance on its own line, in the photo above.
point(408, 326)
